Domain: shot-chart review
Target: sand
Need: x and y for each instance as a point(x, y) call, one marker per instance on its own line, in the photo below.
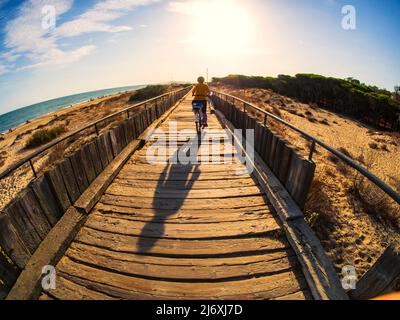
point(349, 235)
point(12, 144)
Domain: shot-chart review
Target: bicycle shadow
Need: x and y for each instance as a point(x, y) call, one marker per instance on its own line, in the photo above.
point(173, 187)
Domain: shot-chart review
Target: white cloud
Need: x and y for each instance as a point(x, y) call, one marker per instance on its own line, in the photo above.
point(25, 36)
point(59, 57)
point(3, 69)
point(98, 18)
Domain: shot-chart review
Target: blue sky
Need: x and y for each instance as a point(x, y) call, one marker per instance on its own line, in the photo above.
point(100, 44)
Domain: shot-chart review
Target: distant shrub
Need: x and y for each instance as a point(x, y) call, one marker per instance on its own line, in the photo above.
point(44, 136)
point(368, 104)
point(148, 93)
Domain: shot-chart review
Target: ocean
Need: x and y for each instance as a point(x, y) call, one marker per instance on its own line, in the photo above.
point(20, 116)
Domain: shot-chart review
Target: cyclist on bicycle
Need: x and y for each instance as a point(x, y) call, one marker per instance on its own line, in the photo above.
point(200, 93)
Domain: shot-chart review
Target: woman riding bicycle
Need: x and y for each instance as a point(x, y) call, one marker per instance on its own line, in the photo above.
point(200, 93)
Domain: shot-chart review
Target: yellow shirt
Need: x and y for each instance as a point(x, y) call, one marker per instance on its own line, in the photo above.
point(201, 92)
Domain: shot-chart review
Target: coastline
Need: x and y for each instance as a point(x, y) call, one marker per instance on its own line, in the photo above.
point(66, 106)
point(13, 144)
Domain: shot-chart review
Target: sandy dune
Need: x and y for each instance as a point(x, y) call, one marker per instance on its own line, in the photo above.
point(349, 234)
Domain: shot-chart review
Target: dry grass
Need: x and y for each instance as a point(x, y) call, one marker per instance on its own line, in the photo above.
point(375, 202)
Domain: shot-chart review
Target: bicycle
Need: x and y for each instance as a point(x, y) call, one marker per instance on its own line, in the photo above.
point(197, 109)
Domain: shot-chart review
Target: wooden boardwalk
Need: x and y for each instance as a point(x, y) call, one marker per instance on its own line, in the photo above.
point(174, 231)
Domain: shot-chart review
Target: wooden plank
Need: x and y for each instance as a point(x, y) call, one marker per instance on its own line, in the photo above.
point(116, 146)
point(47, 200)
point(271, 155)
point(11, 243)
point(88, 164)
point(195, 176)
point(164, 192)
point(92, 195)
point(188, 248)
point(96, 159)
point(8, 275)
point(129, 287)
point(185, 216)
point(171, 204)
point(382, 278)
point(105, 150)
point(267, 150)
point(122, 137)
point(23, 226)
point(181, 185)
point(133, 167)
point(56, 183)
point(70, 182)
point(319, 272)
point(28, 285)
point(300, 178)
point(278, 157)
point(131, 122)
point(114, 223)
point(286, 158)
point(304, 182)
point(34, 213)
point(79, 171)
point(183, 268)
point(68, 290)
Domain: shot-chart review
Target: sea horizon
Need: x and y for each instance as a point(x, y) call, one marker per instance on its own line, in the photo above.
point(15, 118)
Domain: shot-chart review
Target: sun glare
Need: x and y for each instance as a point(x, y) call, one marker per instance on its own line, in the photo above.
point(221, 27)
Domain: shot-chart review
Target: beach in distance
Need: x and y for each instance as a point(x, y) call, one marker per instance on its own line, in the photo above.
point(17, 117)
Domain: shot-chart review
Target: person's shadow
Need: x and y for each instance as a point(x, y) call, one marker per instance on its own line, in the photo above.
point(173, 187)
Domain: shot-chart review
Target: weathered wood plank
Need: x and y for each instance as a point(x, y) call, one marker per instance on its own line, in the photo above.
point(70, 182)
point(96, 159)
point(105, 150)
point(171, 204)
point(186, 269)
point(34, 213)
point(183, 247)
point(127, 287)
point(47, 200)
point(11, 243)
point(8, 275)
point(113, 223)
point(79, 171)
point(283, 173)
point(28, 285)
point(54, 177)
point(164, 192)
point(181, 185)
point(88, 164)
point(68, 290)
point(23, 226)
point(382, 278)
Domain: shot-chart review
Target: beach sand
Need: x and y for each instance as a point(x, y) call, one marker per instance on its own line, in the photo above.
point(12, 144)
point(349, 234)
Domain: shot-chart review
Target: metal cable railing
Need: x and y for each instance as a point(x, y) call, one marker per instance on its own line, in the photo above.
point(314, 142)
point(94, 125)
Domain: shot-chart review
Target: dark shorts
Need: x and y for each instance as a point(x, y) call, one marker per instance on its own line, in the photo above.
point(204, 109)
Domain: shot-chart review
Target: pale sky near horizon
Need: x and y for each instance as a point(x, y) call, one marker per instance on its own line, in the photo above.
point(100, 44)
